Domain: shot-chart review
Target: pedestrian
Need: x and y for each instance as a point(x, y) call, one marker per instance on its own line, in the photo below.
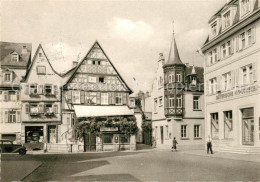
point(209, 145)
point(174, 144)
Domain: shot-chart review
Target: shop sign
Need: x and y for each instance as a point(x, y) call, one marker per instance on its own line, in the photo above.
point(109, 129)
point(242, 91)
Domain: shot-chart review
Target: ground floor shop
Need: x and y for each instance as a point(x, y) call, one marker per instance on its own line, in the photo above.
point(234, 122)
point(189, 133)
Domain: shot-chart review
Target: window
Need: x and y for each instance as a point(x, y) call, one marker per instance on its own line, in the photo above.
point(12, 117)
point(15, 57)
point(108, 138)
point(101, 80)
point(251, 74)
point(179, 101)
point(214, 125)
point(40, 54)
point(215, 55)
point(214, 29)
point(228, 124)
point(132, 103)
point(99, 62)
point(104, 98)
point(171, 78)
point(243, 40)
point(212, 86)
point(160, 101)
point(227, 81)
point(171, 101)
point(226, 20)
point(92, 79)
point(41, 70)
point(7, 77)
point(210, 58)
point(48, 89)
point(184, 133)
point(196, 104)
point(119, 98)
point(249, 37)
point(247, 74)
point(245, 7)
point(155, 105)
point(178, 77)
point(166, 131)
point(124, 139)
point(75, 97)
point(229, 48)
point(33, 89)
point(34, 108)
point(12, 95)
point(196, 131)
point(193, 80)
point(224, 52)
point(48, 108)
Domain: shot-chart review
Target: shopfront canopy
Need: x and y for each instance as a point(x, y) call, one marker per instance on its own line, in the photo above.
point(94, 111)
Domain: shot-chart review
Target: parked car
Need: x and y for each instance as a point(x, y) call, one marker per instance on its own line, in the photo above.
point(7, 146)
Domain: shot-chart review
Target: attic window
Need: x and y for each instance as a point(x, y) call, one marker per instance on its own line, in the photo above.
point(41, 70)
point(226, 19)
point(101, 79)
point(40, 54)
point(193, 80)
point(214, 29)
point(245, 7)
point(15, 57)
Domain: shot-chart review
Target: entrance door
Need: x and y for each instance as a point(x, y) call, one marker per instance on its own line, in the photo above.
point(89, 142)
point(161, 134)
point(248, 131)
point(52, 134)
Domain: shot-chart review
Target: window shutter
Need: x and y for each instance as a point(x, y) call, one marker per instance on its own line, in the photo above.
point(17, 95)
point(218, 54)
point(6, 117)
point(232, 46)
point(237, 43)
point(113, 99)
point(98, 98)
point(233, 83)
point(237, 77)
point(68, 94)
point(109, 98)
point(1, 116)
point(26, 90)
point(124, 99)
point(55, 109)
point(56, 90)
point(254, 72)
point(27, 109)
point(82, 97)
point(18, 116)
point(219, 83)
point(39, 89)
point(253, 35)
point(6, 95)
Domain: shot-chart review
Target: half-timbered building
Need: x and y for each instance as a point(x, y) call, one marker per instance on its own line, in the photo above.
point(96, 91)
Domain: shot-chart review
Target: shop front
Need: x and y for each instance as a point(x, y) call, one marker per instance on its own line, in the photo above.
point(100, 131)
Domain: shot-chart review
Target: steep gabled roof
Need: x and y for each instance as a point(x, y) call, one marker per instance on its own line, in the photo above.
point(77, 67)
point(7, 48)
point(33, 60)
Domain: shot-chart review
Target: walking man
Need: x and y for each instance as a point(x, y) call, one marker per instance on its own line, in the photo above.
point(209, 145)
point(174, 144)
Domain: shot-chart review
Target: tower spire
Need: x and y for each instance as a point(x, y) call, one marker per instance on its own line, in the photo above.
point(174, 58)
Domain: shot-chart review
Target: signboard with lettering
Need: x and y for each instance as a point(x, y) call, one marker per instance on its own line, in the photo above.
point(109, 129)
point(241, 91)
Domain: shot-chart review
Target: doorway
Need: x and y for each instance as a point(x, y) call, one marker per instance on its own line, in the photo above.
point(89, 142)
point(161, 128)
point(52, 134)
point(248, 126)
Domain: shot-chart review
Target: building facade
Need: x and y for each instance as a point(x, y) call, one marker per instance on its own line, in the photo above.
point(41, 102)
point(178, 97)
point(232, 75)
point(96, 92)
point(15, 59)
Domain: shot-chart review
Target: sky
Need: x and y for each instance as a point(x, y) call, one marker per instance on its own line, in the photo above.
point(132, 33)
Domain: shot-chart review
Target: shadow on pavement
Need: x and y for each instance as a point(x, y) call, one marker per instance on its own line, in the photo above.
point(106, 177)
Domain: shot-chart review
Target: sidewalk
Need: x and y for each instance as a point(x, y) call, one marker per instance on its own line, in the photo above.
point(225, 155)
point(17, 170)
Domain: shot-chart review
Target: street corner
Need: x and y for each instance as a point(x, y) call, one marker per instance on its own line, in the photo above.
point(18, 170)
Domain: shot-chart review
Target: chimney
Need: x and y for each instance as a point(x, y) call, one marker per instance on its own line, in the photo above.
point(74, 63)
point(187, 64)
point(24, 50)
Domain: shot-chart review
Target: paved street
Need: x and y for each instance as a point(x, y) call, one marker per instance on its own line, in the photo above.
point(152, 165)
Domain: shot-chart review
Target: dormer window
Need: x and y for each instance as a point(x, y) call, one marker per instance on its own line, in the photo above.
point(193, 80)
point(15, 57)
point(245, 7)
point(214, 29)
point(226, 20)
point(8, 77)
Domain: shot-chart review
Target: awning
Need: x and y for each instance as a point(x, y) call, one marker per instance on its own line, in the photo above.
point(92, 111)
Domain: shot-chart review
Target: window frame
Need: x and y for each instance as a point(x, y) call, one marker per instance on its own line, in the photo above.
point(197, 131)
point(41, 70)
point(184, 131)
point(196, 101)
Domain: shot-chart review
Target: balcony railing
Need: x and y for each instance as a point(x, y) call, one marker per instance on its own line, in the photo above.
point(173, 111)
point(49, 112)
point(34, 112)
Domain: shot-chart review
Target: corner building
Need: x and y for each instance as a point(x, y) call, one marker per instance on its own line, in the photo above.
point(178, 97)
point(232, 75)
